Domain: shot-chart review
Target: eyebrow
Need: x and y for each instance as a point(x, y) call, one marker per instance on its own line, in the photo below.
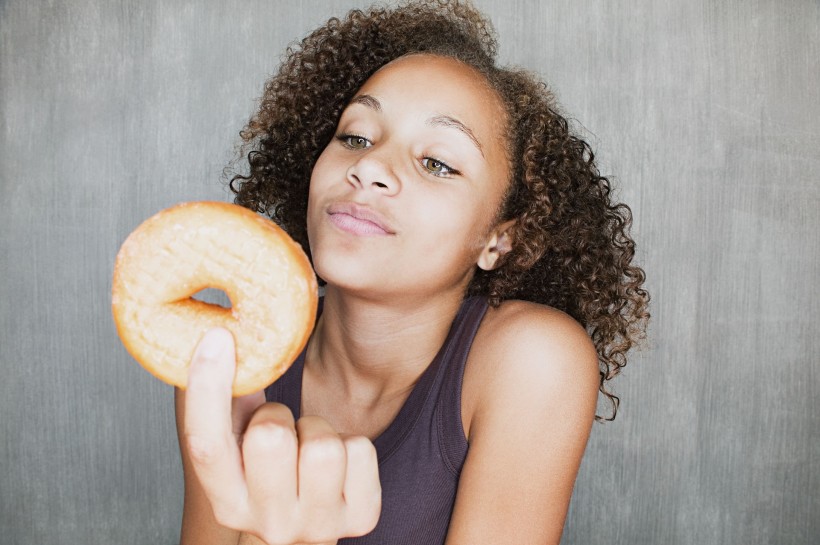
point(452, 122)
point(436, 121)
point(369, 101)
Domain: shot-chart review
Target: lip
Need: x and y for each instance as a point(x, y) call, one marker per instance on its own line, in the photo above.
point(359, 220)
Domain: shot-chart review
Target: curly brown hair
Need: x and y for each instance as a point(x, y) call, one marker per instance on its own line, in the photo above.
point(571, 250)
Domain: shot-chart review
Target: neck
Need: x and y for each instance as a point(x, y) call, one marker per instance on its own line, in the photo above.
point(378, 349)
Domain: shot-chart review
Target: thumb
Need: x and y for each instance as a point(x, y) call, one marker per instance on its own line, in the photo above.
point(214, 362)
point(215, 456)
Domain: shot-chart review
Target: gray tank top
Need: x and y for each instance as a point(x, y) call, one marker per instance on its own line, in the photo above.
point(422, 451)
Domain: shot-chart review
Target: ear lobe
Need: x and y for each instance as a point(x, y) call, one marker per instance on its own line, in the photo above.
point(500, 243)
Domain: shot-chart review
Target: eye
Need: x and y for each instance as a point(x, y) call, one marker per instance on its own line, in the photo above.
point(354, 141)
point(438, 168)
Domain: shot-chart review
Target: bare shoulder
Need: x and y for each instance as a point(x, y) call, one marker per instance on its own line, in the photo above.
point(528, 404)
point(524, 345)
point(531, 325)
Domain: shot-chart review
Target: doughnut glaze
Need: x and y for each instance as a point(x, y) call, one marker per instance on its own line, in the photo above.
point(192, 246)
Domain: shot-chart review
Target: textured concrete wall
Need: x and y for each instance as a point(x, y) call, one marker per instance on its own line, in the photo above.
point(704, 112)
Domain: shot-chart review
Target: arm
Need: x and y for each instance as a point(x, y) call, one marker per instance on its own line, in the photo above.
point(529, 406)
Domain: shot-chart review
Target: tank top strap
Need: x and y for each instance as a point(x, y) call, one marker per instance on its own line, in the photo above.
point(452, 438)
point(288, 388)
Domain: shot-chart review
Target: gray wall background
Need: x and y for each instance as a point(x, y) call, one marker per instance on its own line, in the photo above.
point(705, 112)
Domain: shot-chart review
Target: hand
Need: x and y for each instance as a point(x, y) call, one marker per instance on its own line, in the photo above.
point(285, 482)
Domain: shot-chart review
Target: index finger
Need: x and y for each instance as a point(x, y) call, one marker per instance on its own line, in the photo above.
point(214, 453)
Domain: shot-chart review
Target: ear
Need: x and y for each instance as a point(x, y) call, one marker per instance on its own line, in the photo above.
point(499, 243)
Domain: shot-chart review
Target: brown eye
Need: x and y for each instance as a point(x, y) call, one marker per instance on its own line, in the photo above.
point(353, 141)
point(436, 167)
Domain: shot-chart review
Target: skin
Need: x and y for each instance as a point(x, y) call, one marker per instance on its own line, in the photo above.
point(427, 164)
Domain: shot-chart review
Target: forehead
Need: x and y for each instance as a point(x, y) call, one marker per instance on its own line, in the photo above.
point(426, 66)
point(439, 85)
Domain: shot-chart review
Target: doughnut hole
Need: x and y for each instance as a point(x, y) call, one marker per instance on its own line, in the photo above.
point(213, 296)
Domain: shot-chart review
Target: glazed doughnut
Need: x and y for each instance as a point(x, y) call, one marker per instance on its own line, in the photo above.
point(193, 246)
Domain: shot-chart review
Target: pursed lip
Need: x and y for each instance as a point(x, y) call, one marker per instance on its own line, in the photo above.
point(362, 213)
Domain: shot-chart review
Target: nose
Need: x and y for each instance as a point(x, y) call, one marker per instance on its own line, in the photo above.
point(374, 171)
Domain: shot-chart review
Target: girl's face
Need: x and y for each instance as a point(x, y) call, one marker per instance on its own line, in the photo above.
point(403, 199)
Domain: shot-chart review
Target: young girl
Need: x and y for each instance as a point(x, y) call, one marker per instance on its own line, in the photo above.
point(479, 293)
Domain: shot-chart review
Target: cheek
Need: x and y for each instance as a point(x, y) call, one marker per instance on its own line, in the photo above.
point(320, 179)
point(456, 226)
point(313, 213)
point(319, 173)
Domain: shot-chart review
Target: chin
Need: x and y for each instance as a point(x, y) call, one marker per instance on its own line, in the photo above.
point(343, 270)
